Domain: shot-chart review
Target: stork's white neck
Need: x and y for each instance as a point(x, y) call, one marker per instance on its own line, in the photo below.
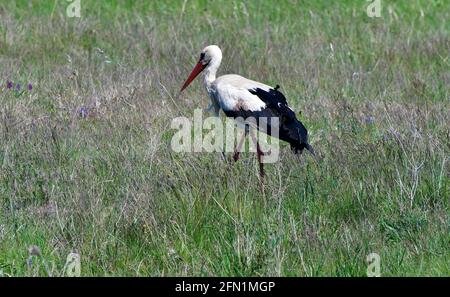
point(211, 70)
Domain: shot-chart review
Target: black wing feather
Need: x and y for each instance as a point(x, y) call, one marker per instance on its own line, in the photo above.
point(291, 129)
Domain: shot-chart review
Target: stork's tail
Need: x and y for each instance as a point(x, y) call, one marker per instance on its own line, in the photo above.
point(301, 141)
point(310, 149)
point(298, 148)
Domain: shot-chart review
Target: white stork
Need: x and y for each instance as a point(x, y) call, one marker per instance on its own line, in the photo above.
point(238, 96)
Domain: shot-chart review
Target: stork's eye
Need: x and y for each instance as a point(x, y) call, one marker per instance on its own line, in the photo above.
point(202, 56)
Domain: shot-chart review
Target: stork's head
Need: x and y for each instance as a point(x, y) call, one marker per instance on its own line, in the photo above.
point(211, 56)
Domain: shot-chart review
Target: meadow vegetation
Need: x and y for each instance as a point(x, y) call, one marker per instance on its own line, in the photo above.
point(86, 164)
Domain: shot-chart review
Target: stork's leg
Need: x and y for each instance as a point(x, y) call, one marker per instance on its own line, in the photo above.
point(237, 151)
point(260, 153)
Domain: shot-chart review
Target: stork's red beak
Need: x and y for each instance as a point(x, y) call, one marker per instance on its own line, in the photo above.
point(197, 69)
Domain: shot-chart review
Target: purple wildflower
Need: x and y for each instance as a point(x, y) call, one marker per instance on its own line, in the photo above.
point(394, 132)
point(9, 84)
point(369, 120)
point(83, 111)
point(34, 250)
point(30, 261)
point(30, 87)
point(18, 86)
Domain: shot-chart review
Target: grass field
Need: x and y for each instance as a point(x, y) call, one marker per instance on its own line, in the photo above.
point(86, 164)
